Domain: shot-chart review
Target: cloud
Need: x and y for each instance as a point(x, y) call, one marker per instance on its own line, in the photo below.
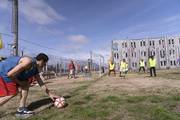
point(4, 4)
point(81, 39)
point(173, 18)
point(37, 11)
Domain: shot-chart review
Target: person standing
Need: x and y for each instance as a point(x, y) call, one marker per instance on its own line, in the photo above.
point(152, 65)
point(72, 69)
point(141, 65)
point(111, 67)
point(123, 68)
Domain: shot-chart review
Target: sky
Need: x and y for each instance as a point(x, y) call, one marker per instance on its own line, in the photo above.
point(73, 28)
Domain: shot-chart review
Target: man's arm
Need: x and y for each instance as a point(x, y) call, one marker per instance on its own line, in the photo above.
point(44, 88)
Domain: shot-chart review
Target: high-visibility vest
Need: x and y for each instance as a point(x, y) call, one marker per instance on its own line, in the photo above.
point(126, 66)
point(111, 66)
point(152, 62)
point(123, 65)
point(142, 64)
point(1, 43)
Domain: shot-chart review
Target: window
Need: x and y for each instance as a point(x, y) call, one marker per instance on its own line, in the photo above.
point(163, 42)
point(159, 42)
point(134, 45)
point(126, 55)
point(135, 64)
point(141, 43)
point(134, 54)
point(160, 53)
point(114, 55)
point(164, 63)
point(171, 63)
point(172, 41)
point(144, 43)
point(131, 44)
point(153, 43)
point(170, 52)
point(161, 63)
point(125, 44)
point(174, 63)
point(144, 53)
point(115, 46)
point(150, 43)
point(164, 53)
point(173, 52)
point(169, 41)
point(117, 56)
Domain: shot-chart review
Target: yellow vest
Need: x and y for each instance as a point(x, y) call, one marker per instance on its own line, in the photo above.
point(123, 65)
point(111, 66)
point(142, 64)
point(152, 62)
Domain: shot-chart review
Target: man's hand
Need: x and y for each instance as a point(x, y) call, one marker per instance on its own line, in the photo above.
point(53, 96)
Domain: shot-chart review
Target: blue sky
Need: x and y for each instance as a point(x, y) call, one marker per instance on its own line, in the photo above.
point(72, 28)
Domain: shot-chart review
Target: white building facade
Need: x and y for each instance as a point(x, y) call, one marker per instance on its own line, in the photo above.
point(166, 51)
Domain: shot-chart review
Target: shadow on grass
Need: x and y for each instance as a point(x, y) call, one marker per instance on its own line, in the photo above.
point(37, 104)
point(43, 103)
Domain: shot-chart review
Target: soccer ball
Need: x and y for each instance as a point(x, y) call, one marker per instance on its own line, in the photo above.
point(60, 102)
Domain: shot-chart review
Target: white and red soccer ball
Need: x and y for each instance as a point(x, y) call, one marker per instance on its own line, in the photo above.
point(60, 102)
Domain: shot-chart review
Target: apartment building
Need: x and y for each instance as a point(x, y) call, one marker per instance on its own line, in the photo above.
point(166, 51)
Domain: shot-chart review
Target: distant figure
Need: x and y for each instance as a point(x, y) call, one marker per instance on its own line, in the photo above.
point(111, 67)
point(102, 70)
point(86, 69)
point(152, 65)
point(123, 68)
point(71, 68)
point(141, 65)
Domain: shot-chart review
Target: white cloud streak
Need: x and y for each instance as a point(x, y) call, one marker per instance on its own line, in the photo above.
point(36, 11)
point(39, 12)
point(81, 39)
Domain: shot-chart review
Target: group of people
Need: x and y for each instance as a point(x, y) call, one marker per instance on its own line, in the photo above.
point(123, 66)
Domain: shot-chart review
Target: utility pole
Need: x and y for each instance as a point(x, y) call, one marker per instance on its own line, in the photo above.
point(15, 26)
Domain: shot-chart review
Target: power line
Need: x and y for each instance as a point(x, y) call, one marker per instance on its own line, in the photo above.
point(27, 41)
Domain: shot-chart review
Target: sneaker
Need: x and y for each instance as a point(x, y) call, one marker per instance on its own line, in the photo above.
point(23, 111)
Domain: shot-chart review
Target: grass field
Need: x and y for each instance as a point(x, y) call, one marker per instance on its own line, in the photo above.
point(136, 97)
